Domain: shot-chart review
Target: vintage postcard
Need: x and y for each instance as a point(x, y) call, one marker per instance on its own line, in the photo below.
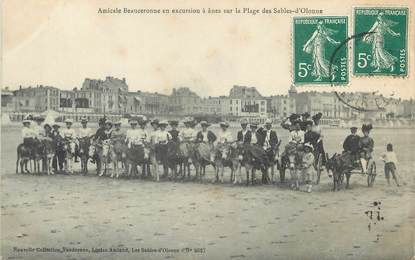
point(207, 129)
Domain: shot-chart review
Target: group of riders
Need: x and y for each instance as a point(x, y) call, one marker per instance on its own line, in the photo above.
point(163, 143)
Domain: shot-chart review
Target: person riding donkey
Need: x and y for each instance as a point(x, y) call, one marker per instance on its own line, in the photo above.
point(224, 138)
point(205, 135)
point(244, 135)
point(59, 143)
point(24, 150)
point(269, 142)
point(163, 137)
point(173, 131)
point(135, 140)
point(105, 142)
point(69, 136)
point(366, 145)
point(205, 139)
point(84, 139)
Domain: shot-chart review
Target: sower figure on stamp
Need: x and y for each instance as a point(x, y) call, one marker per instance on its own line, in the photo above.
point(381, 58)
point(316, 46)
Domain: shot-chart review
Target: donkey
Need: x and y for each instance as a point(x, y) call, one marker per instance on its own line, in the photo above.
point(23, 157)
point(340, 165)
point(227, 155)
point(84, 145)
point(119, 155)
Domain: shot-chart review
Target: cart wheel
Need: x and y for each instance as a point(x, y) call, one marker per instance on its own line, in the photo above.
point(318, 167)
point(371, 174)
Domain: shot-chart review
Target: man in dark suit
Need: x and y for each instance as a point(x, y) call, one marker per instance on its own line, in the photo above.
point(244, 136)
point(268, 140)
point(205, 135)
point(174, 132)
point(351, 143)
point(268, 137)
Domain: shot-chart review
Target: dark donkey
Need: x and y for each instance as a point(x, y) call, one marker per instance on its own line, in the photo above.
point(84, 144)
point(339, 165)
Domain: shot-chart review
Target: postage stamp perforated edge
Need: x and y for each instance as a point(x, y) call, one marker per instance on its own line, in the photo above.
point(292, 49)
point(380, 76)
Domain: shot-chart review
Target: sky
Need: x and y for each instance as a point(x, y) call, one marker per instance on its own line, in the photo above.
point(60, 43)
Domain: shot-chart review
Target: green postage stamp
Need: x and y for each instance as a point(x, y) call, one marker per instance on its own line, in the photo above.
point(320, 50)
point(380, 44)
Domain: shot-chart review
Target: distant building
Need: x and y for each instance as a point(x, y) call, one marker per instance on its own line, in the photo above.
point(36, 99)
point(106, 96)
point(147, 103)
point(409, 108)
point(186, 102)
point(281, 106)
point(246, 102)
point(7, 100)
point(211, 106)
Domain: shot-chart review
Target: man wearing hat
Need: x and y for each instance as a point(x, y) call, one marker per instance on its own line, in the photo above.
point(366, 145)
point(268, 140)
point(107, 130)
point(351, 143)
point(142, 122)
point(205, 135)
point(59, 157)
point(269, 137)
point(244, 135)
point(173, 131)
point(254, 133)
point(100, 133)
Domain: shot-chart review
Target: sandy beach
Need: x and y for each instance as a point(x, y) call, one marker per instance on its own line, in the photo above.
point(85, 217)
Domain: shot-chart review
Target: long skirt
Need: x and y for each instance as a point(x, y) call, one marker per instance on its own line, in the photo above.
point(136, 154)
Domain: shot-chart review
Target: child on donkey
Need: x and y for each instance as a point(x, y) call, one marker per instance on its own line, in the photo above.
point(389, 158)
